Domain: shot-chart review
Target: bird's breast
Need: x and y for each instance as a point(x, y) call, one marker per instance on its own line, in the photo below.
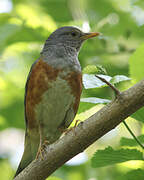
point(50, 93)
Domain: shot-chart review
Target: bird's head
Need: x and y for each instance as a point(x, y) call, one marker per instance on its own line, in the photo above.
point(69, 36)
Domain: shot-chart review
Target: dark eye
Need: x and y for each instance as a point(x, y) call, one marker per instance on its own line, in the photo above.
point(73, 34)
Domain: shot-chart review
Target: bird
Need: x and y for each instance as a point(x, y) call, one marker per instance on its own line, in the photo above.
point(53, 89)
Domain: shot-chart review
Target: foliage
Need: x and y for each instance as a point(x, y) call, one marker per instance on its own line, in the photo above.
point(137, 63)
point(109, 156)
point(134, 175)
point(131, 142)
point(90, 81)
point(116, 55)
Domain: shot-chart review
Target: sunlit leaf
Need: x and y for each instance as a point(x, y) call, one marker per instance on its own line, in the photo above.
point(4, 17)
point(95, 100)
point(90, 69)
point(101, 70)
point(90, 81)
point(87, 113)
point(38, 19)
point(119, 78)
point(94, 69)
point(6, 166)
point(109, 156)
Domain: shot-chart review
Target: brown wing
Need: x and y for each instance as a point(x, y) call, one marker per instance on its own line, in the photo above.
point(75, 81)
point(41, 73)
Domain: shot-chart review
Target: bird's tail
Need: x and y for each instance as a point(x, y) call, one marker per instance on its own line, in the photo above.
point(28, 155)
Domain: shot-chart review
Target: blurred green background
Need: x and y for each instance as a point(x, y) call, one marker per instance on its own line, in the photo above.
point(24, 27)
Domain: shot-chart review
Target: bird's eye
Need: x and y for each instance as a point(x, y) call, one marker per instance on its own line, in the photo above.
point(73, 34)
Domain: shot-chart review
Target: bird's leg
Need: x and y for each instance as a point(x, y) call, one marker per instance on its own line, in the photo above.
point(116, 91)
point(39, 153)
point(41, 149)
point(76, 123)
point(42, 146)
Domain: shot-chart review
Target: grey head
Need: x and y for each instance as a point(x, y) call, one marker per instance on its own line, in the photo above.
point(68, 36)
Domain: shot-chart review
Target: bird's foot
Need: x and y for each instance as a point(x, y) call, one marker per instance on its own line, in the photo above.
point(116, 91)
point(40, 153)
point(42, 150)
point(76, 123)
point(72, 128)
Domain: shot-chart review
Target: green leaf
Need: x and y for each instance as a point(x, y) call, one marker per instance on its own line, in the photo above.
point(109, 156)
point(139, 3)
point(137, 174)
point(131, 142)
point(119, 78)
point(139, 115)
point(27, 34)
point(84, 106)
point(94, 69)
point(95, 100)
point(12, 33)
point(6, 32)
point(54, 9)
point(101, 70)
point(4, 17)
point(136, 63)
point(90, 81)
point(90, 69)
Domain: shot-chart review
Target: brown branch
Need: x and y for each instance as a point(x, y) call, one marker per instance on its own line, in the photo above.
point(85, 133)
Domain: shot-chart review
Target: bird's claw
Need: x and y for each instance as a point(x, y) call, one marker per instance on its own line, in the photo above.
point(42, 150)
point(72, 128)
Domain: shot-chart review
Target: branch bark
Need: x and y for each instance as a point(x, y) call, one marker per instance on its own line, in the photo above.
point(85, 133)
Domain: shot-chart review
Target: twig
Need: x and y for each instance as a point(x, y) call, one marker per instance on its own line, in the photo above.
point(117, 92)
point(130, 131)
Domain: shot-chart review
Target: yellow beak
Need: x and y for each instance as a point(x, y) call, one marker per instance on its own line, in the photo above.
point(90, 35)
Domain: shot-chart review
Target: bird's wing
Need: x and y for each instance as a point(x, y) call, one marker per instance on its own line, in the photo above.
point(27, 154)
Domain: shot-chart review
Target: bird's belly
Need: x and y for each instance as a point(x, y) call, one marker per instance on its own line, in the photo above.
point(55, 102)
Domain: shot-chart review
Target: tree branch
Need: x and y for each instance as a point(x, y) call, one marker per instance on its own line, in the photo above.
point(85, 133)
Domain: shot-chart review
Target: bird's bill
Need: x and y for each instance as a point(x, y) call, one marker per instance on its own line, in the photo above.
point(90, 35)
